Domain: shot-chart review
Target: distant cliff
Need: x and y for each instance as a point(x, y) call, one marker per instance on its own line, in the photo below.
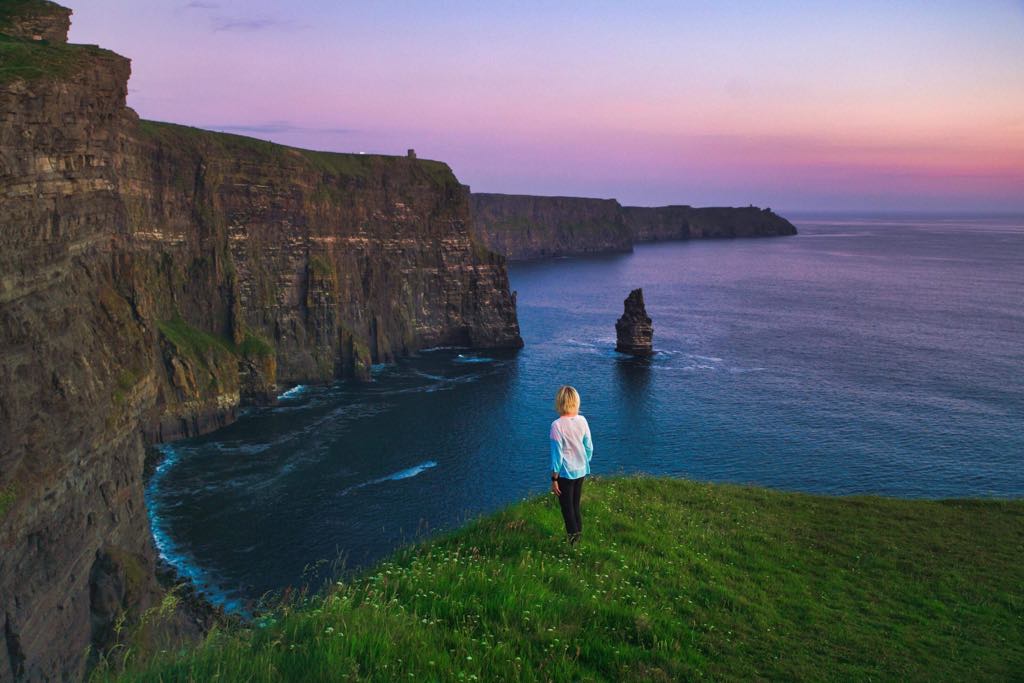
point(528, 227)
point(652, 224)
point(155, 277)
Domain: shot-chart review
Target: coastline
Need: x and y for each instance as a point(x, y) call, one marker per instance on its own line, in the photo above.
point(678, 579)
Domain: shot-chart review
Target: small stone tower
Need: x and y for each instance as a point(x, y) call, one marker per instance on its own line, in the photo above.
point(411, 153)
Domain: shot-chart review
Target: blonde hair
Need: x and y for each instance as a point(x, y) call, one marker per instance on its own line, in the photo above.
point(567, 400)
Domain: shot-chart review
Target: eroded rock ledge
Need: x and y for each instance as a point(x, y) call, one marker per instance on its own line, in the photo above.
point(154, 277)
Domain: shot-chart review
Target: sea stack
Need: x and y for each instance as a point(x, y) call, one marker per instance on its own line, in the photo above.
point(634, 331)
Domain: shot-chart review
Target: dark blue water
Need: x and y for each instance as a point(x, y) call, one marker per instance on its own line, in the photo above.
point(862, 356)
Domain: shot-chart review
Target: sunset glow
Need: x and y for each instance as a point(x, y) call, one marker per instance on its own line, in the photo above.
point(796, 105)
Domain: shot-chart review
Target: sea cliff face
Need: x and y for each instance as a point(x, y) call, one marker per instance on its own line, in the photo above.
point(528, 227)
point(155, 277)
point(525, 227)
point(299, 266)
point(652, 224)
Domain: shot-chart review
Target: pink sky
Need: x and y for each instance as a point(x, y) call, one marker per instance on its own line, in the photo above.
point(796, 105)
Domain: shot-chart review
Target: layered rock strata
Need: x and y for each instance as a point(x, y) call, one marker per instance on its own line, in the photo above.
point(155, 277)
point(523, 227)
point(634, 331)
point(527, 227)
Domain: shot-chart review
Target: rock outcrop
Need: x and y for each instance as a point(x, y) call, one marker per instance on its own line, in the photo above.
point(527, 227)
point(634, 331)
point(523, 227)
point(155, 277)
point(35, 20)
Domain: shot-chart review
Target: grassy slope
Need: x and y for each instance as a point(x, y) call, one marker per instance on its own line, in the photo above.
point(334, 164)
point(674, 580)
point(27, 60)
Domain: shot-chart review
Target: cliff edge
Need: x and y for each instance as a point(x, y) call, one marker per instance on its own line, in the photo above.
point(523, 227)
point(680, 222)
point(526, 227)
point(155, 277)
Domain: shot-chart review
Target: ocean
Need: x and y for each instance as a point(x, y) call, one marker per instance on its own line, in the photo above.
point(866, 355)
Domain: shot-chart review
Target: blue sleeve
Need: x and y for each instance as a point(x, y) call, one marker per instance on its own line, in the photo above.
point(588, 444)
point(556, 455)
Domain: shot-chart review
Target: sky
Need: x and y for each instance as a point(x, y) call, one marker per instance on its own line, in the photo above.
point(896, 105)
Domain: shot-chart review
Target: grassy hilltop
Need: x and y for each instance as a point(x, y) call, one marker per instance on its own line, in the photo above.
point(675, 580)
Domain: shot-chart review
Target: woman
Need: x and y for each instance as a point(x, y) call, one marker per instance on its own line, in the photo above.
point(571, 450)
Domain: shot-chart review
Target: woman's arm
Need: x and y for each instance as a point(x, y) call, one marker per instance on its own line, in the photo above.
point(556, 460)
point(556, 456)
point(588, 443)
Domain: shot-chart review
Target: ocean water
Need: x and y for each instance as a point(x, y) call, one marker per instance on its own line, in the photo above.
point(865, 355)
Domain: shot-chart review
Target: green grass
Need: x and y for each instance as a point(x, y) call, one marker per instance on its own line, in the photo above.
point(254, 345)
point(674, 580)
point(197, 344)
point(185, 137)
point(22, 59)
point(339, 165)
point(193, 342)
point(8, 495)
point(30, 60)
point(321, 266)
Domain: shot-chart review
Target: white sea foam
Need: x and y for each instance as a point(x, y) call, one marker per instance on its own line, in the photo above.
point(576, 342)
point(169, 551)
point(394, 476)
point(427, 375)
point(473, 359)
point(297, 390)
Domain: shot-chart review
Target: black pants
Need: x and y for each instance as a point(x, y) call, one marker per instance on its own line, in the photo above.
point(570, 501)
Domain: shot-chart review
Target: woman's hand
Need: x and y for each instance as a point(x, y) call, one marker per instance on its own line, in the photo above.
point(554, 488)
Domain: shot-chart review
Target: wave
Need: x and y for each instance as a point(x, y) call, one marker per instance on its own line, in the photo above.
point(575, 342)
point(407, 473)
point(473, 359)
point(172, 553)
point(241, 448)
point(297, 390)
point(427, 375)
point(683, 368)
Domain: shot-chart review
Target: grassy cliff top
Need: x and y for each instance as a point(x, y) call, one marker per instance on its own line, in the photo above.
point(29, 60)
point(337, 164)
point(22, 58)
point(674, 580)
point(17, 9)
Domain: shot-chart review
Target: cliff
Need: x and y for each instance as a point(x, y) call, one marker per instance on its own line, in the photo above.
point(155, 277)
point(527, 227)
point(652, 224)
